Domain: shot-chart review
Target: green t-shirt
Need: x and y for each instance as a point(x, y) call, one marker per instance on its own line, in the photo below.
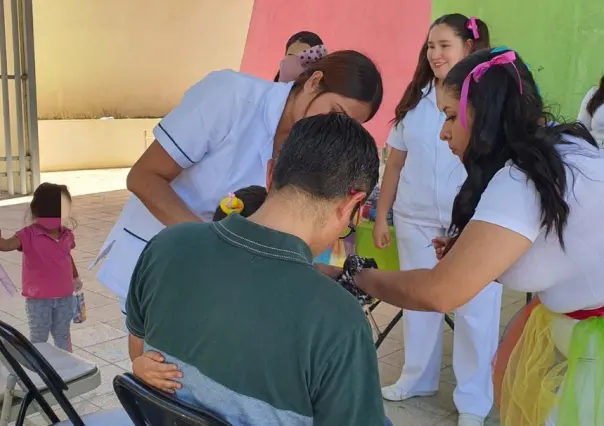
point(261, 336)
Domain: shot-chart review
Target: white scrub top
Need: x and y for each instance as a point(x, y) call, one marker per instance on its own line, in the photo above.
point(222, 135)
point(432, 175)
point(595, 123)
point(568, 280)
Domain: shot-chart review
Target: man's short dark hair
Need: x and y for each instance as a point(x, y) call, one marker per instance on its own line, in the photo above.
point(328, 156)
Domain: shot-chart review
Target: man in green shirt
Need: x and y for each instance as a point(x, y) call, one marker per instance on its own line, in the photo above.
point(260, 335)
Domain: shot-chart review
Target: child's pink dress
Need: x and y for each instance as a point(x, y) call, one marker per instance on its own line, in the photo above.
point(48, 283)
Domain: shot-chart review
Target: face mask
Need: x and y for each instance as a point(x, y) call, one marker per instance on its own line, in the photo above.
point(294, 65)
point(290, 69)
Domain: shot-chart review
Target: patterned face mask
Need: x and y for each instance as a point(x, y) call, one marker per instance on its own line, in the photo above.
point(294, 65)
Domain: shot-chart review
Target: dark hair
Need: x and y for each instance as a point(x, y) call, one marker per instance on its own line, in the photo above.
point(423, 72)
point(597, 100)
point(347, 73)
point(306, 37)
point(327, 156)
point(252, 196)
point(46, 201)
point(509, 125)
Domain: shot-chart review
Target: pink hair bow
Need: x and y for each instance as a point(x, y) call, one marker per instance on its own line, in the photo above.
point(473, 26)
point(479, 70)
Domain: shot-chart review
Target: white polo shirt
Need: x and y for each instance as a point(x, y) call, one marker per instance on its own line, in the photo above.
point(432, 175)
point(222, 135)
point(595, 123)
point(567, 280)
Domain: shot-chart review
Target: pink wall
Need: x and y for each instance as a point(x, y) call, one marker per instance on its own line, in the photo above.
point(390, 34)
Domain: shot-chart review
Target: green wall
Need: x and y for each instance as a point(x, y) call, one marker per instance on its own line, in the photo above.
point(561, 40)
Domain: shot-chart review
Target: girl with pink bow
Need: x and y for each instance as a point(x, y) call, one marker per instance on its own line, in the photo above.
point(420, 181)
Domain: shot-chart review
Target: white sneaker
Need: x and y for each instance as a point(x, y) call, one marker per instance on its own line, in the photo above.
point(394, 393)
point(470, 420)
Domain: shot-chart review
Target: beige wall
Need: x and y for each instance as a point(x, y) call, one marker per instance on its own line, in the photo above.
point(131, 57)
point(93, 144)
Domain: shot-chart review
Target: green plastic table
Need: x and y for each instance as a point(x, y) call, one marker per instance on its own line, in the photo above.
point(387, 258)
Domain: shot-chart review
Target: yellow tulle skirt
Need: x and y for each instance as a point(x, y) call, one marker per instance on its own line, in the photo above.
point(536, 385)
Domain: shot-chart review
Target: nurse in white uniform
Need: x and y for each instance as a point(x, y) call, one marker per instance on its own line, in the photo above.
point(220, 139)
point(529, 215)
point(421, 179)
point(591, 112)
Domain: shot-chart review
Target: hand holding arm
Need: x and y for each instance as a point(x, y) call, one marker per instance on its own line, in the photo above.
point(152, 369)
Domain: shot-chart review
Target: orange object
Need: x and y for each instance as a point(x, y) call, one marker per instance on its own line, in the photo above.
point(509, 340)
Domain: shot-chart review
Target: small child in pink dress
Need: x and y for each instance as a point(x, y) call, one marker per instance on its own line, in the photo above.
point(49, 272)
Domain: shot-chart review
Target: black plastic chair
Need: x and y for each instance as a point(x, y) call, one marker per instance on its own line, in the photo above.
point(148, 406)
point(18, 352)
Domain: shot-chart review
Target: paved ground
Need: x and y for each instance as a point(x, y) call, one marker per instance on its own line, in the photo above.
point(99, 198)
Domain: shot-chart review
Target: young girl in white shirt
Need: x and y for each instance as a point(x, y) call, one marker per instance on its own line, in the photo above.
point(421, 180)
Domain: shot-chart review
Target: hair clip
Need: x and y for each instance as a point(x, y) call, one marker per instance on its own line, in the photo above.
point(231, 204)
point(312, 54)
point(472, 25)
point(353, 192)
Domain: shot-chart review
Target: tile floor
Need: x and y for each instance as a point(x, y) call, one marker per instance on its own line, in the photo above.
point(99, 198)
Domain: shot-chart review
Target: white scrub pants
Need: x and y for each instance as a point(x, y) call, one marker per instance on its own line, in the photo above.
point(475, 338)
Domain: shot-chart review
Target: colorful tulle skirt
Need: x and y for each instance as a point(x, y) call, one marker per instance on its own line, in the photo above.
point(536, 385)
